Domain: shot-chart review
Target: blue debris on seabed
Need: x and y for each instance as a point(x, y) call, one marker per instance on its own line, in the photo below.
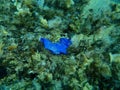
point(59, 47)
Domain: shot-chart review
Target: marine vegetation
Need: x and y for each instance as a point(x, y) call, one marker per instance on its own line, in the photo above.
point(59, 44)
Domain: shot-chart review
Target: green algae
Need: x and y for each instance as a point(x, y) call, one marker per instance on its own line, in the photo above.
point(92, 62)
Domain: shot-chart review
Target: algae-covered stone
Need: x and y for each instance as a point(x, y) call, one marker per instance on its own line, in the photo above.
point(88, 87)
point(76, 40)
point(114, 58)
point(43, 22)
point(69, 3)
point(115, 64)
point(105, 70)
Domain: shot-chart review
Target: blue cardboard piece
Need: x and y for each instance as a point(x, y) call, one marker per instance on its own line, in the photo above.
point(58, 47)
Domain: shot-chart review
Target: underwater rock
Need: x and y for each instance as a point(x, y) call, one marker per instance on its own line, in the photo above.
point(97, 7)
point(69, 3)
point(57, 48)
point(114, 58)
point(55, 22)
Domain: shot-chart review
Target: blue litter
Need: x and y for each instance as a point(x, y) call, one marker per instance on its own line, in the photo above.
point(58, 47)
